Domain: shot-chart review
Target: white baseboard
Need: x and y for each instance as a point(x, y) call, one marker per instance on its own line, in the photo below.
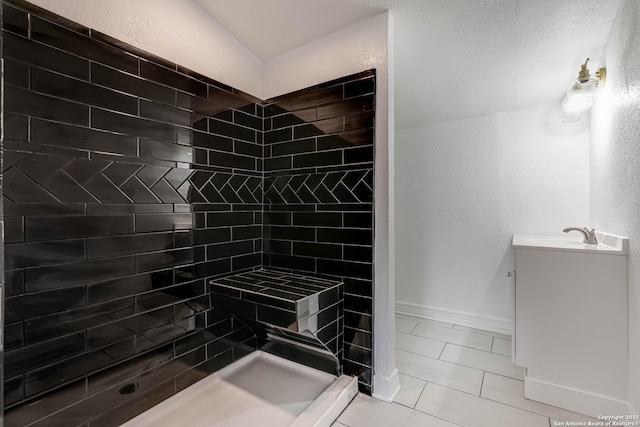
point(493, 324)
point(579, 401)
point(386, 388)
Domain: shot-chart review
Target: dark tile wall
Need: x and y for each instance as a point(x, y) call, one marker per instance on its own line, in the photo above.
point(128, 183)
point(319, 153)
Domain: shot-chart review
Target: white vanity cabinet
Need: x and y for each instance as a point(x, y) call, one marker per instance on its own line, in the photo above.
point(570, 321)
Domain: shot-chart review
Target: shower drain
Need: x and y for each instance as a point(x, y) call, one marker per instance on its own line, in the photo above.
point(129, 388)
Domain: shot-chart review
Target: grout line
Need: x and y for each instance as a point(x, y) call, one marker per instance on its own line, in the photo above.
point(493, 341)
point(420, 395)
point(442, 351)
point(482, 383)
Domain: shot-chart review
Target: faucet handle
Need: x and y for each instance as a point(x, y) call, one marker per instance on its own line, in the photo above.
point(591, 236)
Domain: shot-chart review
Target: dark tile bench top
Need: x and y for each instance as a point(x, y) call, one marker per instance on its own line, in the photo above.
point(298, 303)
point(286, 286)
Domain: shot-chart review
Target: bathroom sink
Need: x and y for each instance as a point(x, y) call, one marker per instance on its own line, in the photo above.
point(607, 243)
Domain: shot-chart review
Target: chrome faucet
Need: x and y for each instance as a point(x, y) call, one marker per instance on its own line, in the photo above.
point(589, 235)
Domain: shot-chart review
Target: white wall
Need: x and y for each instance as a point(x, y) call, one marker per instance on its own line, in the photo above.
point(615, 162)
point(179, 31)
point(361, 46)
point(463, 188)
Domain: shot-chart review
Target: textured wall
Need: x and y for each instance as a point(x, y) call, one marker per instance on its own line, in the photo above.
point(128, 184)
point(615, 162)
point(179, 31)
point(319, 198)
point(464, 187)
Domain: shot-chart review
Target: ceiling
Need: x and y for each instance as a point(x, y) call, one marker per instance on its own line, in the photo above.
point(453, 58)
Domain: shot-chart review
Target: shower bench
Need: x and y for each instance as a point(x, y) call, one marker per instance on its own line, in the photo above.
point(304, 310)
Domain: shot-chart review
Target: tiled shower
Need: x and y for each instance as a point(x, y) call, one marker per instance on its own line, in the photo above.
point(129, 182)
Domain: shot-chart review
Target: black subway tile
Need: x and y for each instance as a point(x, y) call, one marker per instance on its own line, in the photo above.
point(170, 78)
point(20, 255)
point(70, 41)
point(168, 114)
point(76, 90)
point(358, 155)
point(16, 127)
point(247, 120)
point(290, 233)
point(168, 258)
point(290, 262)
point(324, 219)
point(73, 368)
point(113, 289)
point(15, 20)
point(359, 121)
point(347, 236)
point(132, 85)
point(293, 147)
point(277, 317)
point(359, 87)
point(358, 253)
point(165, 150)
point(358, 287)
point(163, 222)
point(278, 163)
point(50, 133)
point(29, 306)
point(328, 158)
point(43, 56)
point(225, 98)
point(205, 140)
point(13, 389)
point(318, 250)
point(351, 106)
point(320, 97)
point(235, 161)
point(13, 230)
point(39, 355)
point(51, 277)
point(199, 105)
point(13, 282)
point(248, 149)
point(345, 268)
point(358, 219)
point(101, 119)
point(47, 228)
point(20, 101)
point(346, 139)
point(220, 219)
point(16, 73)
point(13, 336)
point(231, 130)
point(285, 134)
point(72, 319)
point(103, 247)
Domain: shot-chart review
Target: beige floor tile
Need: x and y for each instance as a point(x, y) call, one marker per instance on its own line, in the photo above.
point(511, 392)
point(481, 332)
point(365, 411)
point(405, 324)
point(410, 390)
point(448, 374)
point(483, 360)
point(472, 411)
point(501, 346)
point(467, 339)
point(419, 345)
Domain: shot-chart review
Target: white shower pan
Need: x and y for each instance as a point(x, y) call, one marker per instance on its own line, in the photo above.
point(259, 389)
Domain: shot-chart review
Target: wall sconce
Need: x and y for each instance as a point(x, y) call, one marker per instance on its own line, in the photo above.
point(581, 92)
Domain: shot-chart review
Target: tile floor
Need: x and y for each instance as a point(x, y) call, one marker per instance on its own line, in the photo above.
point(453, 375)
